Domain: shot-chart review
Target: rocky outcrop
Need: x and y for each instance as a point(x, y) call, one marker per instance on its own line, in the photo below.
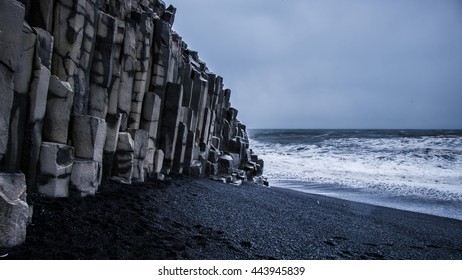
point(96, 90)
point(14, 211)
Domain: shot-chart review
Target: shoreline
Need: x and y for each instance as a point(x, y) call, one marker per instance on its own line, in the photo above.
point(443, 209)
point(202, 219)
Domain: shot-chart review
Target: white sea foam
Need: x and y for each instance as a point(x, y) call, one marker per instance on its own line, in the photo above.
point(428, 168)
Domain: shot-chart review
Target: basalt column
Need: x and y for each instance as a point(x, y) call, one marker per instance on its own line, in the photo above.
point(22, 81)
point(94, 90)
point(101, 68)
point(144, 33)
point(74, 31)
point(171, 118)
point(38, 95)
point(11, 42)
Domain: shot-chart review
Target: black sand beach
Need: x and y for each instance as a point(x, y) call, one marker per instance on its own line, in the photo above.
point(203, 219)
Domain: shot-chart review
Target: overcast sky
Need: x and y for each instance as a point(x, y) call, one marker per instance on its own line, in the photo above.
point(332, 63)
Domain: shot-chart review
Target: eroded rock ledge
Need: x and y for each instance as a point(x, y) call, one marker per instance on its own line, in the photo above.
point(94, 90)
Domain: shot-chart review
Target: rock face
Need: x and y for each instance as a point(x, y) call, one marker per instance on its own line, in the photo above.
point(88, 137)
point(93, 90)
point(58, 112)
point(11, 40)
point(55, 167)
point(85, 178)
point(14, 211)
point(124, 158)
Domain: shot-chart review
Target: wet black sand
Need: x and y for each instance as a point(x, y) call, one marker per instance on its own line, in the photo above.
point(203, 219)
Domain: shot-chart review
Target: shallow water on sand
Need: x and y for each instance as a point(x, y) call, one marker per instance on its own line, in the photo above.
point(416, 170)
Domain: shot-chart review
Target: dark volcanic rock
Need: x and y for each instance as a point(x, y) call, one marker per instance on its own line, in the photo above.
point(95, 89)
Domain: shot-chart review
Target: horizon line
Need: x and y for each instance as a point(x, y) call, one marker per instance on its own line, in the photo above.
point(356, 128)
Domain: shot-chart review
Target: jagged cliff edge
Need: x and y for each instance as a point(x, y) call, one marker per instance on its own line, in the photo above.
point(93, 90)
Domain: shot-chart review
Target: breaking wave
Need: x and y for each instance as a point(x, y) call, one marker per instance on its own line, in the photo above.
point(402, 165)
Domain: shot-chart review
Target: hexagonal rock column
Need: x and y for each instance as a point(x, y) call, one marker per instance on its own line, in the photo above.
point(14, 211)
point(22, 80)
point(215, 142)
point(113, 90)
point(236, 146)
point(214, 155)
point(38, 95)
point(11, 22)
point(55, 167)
point(199, 92)
point(74, 31)
point(148, 164)
point(6, 94)
point(86, 178)
point(37, 107)
point(110, 146)
point(141, 151)
point(158, 162)
point(175, 70)
point(161, 56)
point(88, 137)
point(215, 87)
point(170, 120)
point(259, 163)
point(127, 74)
point(211, 169)
point(124, 159)
point(58, 111)
point(190, 150)
point(196, 169)
point(150, 117)
point(180, 149)
point(228, 163)
point(144, 33)
point(187, 81)
point(101, 68)
point(208, 129)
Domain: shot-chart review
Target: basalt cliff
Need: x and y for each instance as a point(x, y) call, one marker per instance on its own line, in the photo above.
point(94, 90)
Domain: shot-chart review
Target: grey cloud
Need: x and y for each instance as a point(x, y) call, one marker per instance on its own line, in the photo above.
point(333, 63)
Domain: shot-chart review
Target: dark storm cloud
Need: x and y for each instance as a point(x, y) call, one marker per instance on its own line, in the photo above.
point(333, 64)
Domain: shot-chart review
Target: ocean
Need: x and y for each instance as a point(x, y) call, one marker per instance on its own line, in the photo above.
point(415, 170)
